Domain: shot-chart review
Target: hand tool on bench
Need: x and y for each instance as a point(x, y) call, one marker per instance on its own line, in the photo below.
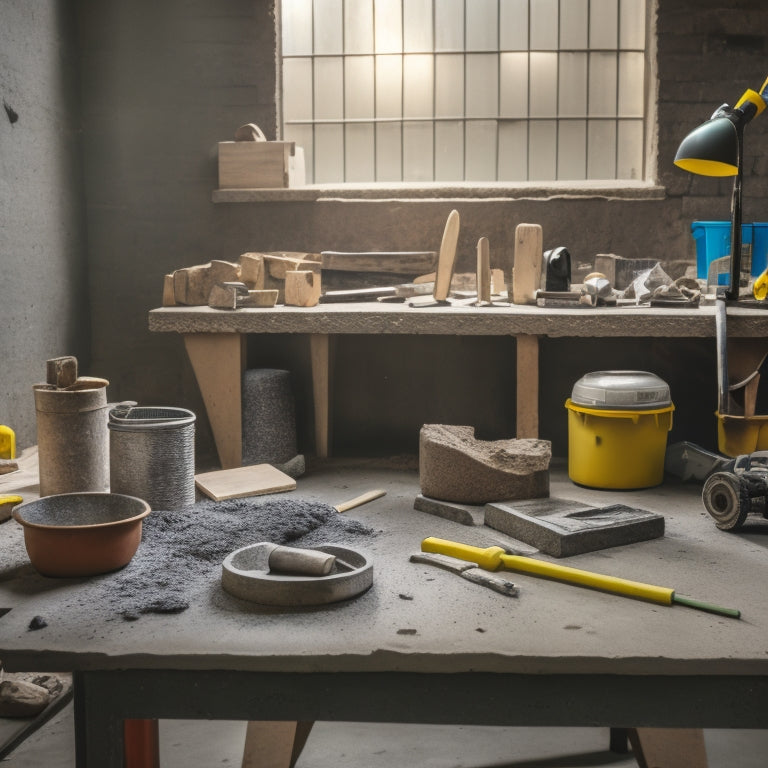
point(358, 501)
point(447, 257)
point(468, 571)
point(445, 263)
point(483, 272)
point(493, 558)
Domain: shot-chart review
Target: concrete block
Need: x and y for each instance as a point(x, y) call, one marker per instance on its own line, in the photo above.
point(561, 528)
point(465, 514)
point(455, 466)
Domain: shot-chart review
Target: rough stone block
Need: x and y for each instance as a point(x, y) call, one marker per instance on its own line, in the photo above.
point(455, 466)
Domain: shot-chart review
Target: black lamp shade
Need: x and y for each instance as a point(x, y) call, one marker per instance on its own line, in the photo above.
point(712, 149)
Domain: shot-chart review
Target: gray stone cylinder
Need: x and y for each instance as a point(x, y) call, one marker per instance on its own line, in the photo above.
point(72, 439)
point(269, 417)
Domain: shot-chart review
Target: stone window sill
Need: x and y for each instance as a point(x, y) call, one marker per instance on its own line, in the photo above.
point(606, 190)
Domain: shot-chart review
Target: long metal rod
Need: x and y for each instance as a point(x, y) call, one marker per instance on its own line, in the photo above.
point(721, 341)
point(732, 294)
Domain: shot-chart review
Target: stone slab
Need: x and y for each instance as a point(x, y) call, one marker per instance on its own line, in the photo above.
point(562, 528)
point(465, 514)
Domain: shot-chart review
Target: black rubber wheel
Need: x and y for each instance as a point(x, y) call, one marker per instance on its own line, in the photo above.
point(726, 498)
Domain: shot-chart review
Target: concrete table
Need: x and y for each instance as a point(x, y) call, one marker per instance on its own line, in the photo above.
point(422, 645)
point(215, 343)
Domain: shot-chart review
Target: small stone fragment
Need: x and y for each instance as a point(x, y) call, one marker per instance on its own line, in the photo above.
point(21, 699)
point(38, 622)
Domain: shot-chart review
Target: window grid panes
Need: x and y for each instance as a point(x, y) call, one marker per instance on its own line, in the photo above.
point(465, 90)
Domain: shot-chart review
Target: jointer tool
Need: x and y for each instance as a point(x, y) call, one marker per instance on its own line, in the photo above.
point(493, 558)
point(468, 571)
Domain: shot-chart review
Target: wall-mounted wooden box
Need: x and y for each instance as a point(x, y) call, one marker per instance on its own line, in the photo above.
point(260, 164)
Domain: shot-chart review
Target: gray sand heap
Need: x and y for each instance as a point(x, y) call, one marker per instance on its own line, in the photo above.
point(181, 551)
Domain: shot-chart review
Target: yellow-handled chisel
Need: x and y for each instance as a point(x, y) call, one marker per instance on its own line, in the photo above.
point(493, 558)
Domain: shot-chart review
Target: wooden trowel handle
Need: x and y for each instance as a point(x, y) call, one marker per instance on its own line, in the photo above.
point(447, 257)
point(360, 500)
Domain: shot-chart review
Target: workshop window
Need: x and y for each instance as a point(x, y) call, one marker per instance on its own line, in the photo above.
point(465, 90)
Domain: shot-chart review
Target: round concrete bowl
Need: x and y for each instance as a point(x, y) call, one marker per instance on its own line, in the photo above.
point(81, 534)
point(245, 574)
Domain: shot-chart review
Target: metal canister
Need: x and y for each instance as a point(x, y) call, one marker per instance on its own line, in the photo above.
point(152, 454)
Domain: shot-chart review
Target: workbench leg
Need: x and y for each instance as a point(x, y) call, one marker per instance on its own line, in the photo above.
point(99, 741)
point(527, 386)
point(218, 360)
point(142, 744)
point(274, 744)
point(669, 747)
point(320, 353)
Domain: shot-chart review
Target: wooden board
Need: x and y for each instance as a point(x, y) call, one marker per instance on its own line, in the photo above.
point(395, 262)
point(236, 483)
point(526, 275)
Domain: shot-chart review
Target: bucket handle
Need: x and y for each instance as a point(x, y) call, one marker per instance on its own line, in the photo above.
point(127, 404)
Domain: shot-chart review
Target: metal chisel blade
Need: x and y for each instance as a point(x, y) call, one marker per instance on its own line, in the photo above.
point(468, 571)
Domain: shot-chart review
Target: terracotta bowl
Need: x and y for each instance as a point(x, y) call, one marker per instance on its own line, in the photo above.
point(81, 534)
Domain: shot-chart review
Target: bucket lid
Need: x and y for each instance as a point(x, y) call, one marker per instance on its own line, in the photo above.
point(621, 389)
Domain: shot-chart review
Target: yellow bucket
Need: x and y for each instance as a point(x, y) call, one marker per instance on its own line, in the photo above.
point(737, 435)
point(7, 442)
point(619, 449)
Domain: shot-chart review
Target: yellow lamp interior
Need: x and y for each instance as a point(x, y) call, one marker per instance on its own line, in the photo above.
point(706, 167)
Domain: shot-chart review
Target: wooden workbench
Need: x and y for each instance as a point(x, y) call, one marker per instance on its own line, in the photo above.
point(215, 342)
point(422, 645)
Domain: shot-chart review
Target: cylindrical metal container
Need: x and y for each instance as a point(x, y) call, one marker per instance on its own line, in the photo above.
point(72, 439)
point(152, 455)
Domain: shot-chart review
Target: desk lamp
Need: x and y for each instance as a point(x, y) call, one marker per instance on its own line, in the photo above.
point(715, 148)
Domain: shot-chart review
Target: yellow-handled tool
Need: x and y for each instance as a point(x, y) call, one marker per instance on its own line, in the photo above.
point(493, 558)
point(760, 287)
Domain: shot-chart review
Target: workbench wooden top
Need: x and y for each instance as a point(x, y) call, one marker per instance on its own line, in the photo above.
point(416, 618)
point(462, 320)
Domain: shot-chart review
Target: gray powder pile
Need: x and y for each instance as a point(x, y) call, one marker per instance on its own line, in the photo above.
point(182, 551)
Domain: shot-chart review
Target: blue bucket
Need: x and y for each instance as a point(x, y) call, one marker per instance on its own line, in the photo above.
point(713, 241)
point(759, 248)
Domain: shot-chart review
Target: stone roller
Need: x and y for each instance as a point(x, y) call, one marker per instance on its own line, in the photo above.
point(310, 562)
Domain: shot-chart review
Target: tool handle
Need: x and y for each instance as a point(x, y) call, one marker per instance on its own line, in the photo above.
point(494, 557)
point(570, 575)
point(488, 558)
point(360, 500)
point(446, 257)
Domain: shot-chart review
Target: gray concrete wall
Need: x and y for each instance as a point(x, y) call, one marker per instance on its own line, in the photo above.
point(162, 83)
point(43, 276)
